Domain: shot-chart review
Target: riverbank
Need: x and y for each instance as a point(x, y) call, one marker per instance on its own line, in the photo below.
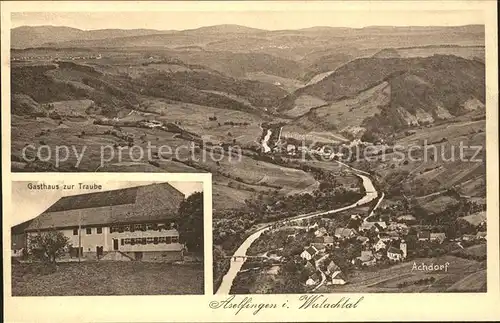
point(235, 266)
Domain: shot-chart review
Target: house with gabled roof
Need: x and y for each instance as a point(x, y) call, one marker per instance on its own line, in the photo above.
point(424, 235)
point(345, 233)
point(366, 258)
point(439, 237)
point(332, 267)
point(394, 253)
point(338, 278)
point(388, 236)
point(309, 253)
point(320, 232)
point(481, 235)
point(139, 222)
point(381, 244)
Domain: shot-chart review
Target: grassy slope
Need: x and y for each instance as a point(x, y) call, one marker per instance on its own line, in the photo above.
point(416, 83)
point(108, 278)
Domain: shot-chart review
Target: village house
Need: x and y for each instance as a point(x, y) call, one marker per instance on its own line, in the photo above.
point(424, 235)
point(320, 232)
point(338, 278)
point(366, 259)
point(309, 253)
point(388, 236)
point(481, 235)
point(363, 240)
point(407, 219)
point(468, 237)
point(397, 254)
point(398, 227)
point(355, 216)
point(380, 245)
point(320, 246)
point(135, 223)
point(439, 237)
point(332, 267)
point(345, 233)
point(394, 254)
point(313, 280)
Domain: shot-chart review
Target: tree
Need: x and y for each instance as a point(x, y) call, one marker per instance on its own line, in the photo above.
point(191, 226)
point(48, 246)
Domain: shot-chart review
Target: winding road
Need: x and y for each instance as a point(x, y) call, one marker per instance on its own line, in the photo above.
point(235, 266)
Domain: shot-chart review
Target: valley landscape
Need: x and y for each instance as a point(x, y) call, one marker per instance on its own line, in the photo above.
point(342, 158)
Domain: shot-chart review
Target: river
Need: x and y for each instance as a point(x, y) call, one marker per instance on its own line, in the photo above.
point(266, 140)
point(235, 266)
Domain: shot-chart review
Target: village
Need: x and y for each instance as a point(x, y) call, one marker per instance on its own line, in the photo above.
point(325, 254)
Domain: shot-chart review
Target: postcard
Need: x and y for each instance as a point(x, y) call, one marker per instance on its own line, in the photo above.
point(250, 161)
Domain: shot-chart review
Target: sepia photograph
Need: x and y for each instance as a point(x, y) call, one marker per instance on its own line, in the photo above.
point(350, 150)
point(107, 238)
point(344, 159)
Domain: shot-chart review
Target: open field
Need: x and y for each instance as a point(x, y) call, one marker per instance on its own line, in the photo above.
point(108, 278)
point(287, 84)
point(387, 280)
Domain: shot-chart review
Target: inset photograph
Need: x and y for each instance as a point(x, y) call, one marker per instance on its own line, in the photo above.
point(107, 238)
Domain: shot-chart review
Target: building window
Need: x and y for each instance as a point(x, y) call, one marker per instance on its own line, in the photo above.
point(88, 230)
point(127, 241)
point(132, 241)
point(126, 228)
point(149, 240)
point(143, 227)
point(143, 240)
point(149, 226)
point(99, 230)
point(155, 240)
point(120, 229)
point(75, 232)
point(168, 240)
point(122, 241)
point(175, 239)
point(137, 227)
point(162, 240)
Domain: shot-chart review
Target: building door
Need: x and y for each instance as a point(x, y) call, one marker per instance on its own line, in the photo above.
point(99, 251)
point(115, 244)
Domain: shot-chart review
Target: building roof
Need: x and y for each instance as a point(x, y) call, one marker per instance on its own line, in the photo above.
point(154, 202)
point(440, 236)
point(19, 228)
point(363, 239)
point(407, 217)
point(339, 275)
point(344, 232)
point(424, 234)
point(327, 239)
point(332, 266)
point(481, 234)
point(311, 250)
point(318, 245)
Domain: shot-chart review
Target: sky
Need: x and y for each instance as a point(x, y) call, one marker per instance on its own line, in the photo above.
point(29, 203)
point(269, 20)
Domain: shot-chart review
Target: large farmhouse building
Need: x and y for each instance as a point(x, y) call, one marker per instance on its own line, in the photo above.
point(136, 223)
